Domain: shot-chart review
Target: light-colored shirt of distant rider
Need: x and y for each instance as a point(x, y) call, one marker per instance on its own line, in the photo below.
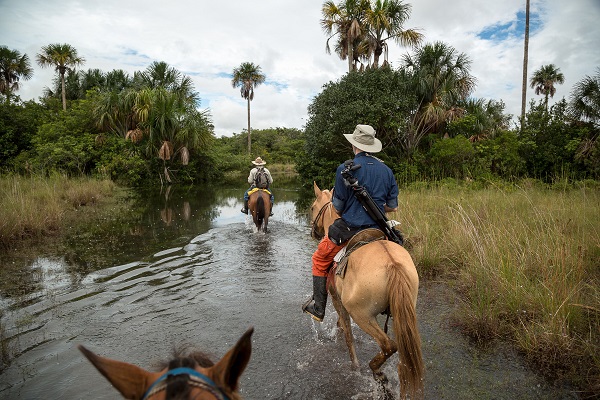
point(253, 173)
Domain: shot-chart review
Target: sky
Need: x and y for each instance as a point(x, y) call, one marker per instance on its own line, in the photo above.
point(206, 40)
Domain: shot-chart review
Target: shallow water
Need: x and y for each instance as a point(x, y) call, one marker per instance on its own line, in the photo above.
point(187, 268)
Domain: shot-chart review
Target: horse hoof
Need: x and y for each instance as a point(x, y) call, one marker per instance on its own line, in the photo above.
point(380, 377)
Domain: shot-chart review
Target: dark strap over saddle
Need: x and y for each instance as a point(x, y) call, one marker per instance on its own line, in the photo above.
point(361, 238)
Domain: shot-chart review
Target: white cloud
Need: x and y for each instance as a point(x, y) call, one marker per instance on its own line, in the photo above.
point(206, 40)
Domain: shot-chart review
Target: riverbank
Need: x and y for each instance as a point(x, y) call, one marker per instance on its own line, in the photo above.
point(523, 258)
point(525, 261)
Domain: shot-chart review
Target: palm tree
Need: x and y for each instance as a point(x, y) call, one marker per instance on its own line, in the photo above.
point(544, 79)
point(387, 17)
point(13, 68)
point(247, 76)
point(585, 105)
point(346, 21)
point(173, 123)
point(160, 74)
point(159, 111)
point(92, 79)
point(117, 80)
point(585, 99)
point(441, 80)
point(525, 59)
point(64, 58)
point(487, 116)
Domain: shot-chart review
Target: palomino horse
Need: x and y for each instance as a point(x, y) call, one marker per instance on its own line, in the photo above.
point(380, 278)
point(259, 204)
point(190, 377)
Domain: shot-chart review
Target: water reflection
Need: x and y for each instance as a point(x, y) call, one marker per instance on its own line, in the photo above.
point(144, 223)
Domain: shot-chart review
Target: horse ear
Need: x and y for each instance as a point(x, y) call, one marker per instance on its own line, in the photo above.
point(131, 380)
point(317, 190)
point(227, 372)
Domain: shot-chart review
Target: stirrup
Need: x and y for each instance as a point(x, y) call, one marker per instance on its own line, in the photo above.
point(244, 211)
point(305, 307)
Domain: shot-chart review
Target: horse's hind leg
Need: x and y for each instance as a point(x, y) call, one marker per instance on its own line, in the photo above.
point(344, 324)
point(368, 323)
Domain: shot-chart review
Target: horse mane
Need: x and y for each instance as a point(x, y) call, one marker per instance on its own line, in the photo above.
point(178, 388)
point(183, 357)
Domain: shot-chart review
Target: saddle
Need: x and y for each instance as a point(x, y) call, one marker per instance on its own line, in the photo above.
point(361, 238)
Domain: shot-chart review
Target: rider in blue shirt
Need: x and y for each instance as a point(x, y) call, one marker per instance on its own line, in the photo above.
point(379, 181)
point(381, 184)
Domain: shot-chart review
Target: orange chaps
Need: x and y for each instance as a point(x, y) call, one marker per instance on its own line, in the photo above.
point(322, 258)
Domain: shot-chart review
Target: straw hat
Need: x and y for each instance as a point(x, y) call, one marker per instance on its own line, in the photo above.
point(363, 138)
point(259, 161)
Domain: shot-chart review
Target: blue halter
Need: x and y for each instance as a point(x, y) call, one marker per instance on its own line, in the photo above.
point(196, 379)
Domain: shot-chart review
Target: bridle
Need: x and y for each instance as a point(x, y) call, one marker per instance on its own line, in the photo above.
point(195, 379)
point(320, 215)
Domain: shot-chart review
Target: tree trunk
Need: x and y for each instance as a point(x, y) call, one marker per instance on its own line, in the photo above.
point(525, 58)
point(64, 92)
point(350, 56)
point(249, 140)
point(376, 54)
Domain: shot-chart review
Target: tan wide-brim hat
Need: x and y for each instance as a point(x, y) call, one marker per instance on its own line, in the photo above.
point(259, 161)
point(363, 138)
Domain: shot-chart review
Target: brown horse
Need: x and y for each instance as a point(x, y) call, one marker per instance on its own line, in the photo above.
point(191, 377)
point(259, 204)
point(380, 278)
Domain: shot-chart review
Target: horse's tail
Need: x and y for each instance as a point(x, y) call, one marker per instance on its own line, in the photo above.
point(260, 208)
point(410, 364)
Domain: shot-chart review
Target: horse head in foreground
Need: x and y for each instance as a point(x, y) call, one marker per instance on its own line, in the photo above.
point(259, 204)
point(190, 377)
point(380, 278)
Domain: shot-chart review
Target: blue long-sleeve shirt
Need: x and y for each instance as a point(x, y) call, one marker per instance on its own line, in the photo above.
point(379, 181)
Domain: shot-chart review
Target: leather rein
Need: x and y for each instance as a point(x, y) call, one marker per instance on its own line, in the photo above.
point(195, 379)
point(315, 233)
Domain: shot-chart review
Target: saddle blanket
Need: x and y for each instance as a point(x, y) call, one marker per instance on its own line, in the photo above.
point(256, 190)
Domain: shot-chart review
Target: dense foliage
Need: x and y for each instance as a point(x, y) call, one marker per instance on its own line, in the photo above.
point(137, 131)
point(473, 140)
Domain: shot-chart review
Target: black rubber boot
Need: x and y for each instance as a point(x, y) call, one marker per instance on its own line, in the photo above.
point(271, 214)
point(316, 309)
point(245, 209)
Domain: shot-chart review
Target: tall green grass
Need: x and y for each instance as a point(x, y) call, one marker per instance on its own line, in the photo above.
point(31, 207)
point(526, 260)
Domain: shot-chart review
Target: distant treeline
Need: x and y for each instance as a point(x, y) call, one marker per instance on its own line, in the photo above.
point(148, 130)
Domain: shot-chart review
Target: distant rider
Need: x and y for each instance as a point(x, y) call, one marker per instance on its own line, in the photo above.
point(254, 172)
